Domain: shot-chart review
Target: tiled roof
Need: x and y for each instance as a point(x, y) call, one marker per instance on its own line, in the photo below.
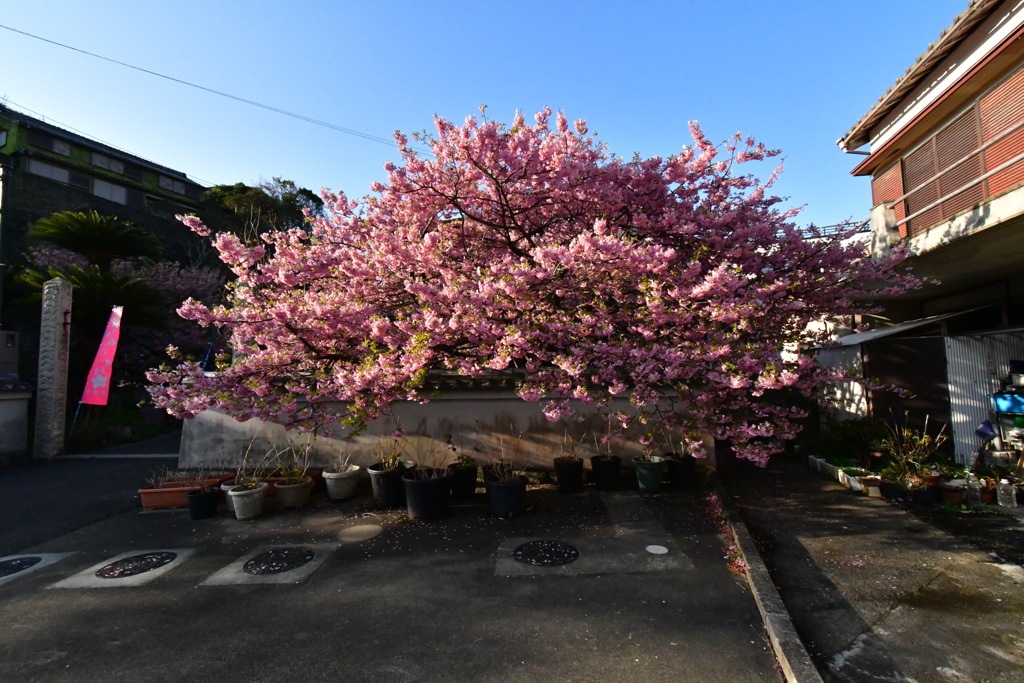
point(948, 40)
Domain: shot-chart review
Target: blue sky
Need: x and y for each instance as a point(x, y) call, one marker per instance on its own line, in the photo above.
point(796, 75)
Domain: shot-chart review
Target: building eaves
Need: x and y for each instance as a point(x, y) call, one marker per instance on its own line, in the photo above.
point(948, 40)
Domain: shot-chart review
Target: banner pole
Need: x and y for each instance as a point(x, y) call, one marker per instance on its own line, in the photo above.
point(73, 421)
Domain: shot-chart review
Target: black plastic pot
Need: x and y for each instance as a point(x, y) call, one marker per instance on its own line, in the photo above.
point(682, 470)
point(428, 493)
point(605, 471)
point(569, 473)
point(893, 491)
point(202, 503)
point(507, 498)
point(649, 473)
point(463, 481)
point(388, 489)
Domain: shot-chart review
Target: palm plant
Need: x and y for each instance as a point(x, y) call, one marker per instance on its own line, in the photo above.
point(100, 239)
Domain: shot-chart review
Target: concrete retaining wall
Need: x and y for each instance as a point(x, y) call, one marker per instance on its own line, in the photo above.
point(482, 423)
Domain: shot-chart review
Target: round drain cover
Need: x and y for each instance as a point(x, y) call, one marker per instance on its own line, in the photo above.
point(546, 553)
point(8, 567)
point(657, 549)
point(278, 560)
point(135, 565)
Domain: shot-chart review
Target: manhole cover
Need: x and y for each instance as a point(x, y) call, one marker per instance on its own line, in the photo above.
point(278, 560)
point(8, 567)
point(135, 565)
point(657, 549)
point(546, 553)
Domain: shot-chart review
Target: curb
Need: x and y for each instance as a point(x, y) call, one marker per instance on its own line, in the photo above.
point(789, 649)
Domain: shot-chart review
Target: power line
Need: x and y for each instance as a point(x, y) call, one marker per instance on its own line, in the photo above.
point(276, 110)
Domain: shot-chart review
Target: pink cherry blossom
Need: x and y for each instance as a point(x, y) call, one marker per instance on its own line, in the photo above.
point(677, 283)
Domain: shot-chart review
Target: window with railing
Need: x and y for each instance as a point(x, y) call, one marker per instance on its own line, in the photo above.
point(976, 156)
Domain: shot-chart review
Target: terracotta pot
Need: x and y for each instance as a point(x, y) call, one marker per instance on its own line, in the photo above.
point(294, 494)
point(951, 494)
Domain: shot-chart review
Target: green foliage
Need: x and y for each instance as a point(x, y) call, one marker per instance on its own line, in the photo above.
point(248, 211)
point(909, 450)
point(100, 239)
point(851, 441)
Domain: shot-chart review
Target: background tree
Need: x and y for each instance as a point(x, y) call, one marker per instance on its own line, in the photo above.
point(110, 262)
point(270, 206)
point(100, 239)
point(677, 283)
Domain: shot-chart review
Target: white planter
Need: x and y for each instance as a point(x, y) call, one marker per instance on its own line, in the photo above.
point(342, 484)
point(248, 503)
point(225, 487)
point(850, 481)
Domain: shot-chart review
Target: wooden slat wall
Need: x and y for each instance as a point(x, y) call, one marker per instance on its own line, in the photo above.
point(887, 186)
point(918, 167)
point(1000, 109)
point(952, 144)
point(995, 112)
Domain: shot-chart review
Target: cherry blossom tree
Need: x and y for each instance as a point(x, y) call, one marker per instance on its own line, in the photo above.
point(528, 248)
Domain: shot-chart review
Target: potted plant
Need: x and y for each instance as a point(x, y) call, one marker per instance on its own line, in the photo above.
point(569, 468)
point(907, 475)
point(506, 489)
point(464, 473)
point(202, 502)
point(245, 473)
point(293, 484)
point(341, 477)
point(386, 473)
point(605, 471)
point(605, 468)
point(680, 464)
point(952, 486)
point(649, 468)
point(247, 494)
point(428, 492)
point(506, 486)
point(169, 489)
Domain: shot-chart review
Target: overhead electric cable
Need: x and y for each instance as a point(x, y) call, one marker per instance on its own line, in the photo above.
point(276, 110)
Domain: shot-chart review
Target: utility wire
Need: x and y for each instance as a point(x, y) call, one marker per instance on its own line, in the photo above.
point(276, 110)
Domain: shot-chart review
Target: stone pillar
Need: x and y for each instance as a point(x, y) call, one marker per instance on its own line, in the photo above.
point(884, 232)
point(52, 392)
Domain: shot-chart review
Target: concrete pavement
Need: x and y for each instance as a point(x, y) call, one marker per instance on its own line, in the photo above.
point(390, 600)
point(875, 593)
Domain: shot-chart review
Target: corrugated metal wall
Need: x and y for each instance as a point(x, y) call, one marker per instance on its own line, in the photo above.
point(975, 364)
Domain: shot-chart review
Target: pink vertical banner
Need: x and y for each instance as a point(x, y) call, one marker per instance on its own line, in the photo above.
point(97, 385)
